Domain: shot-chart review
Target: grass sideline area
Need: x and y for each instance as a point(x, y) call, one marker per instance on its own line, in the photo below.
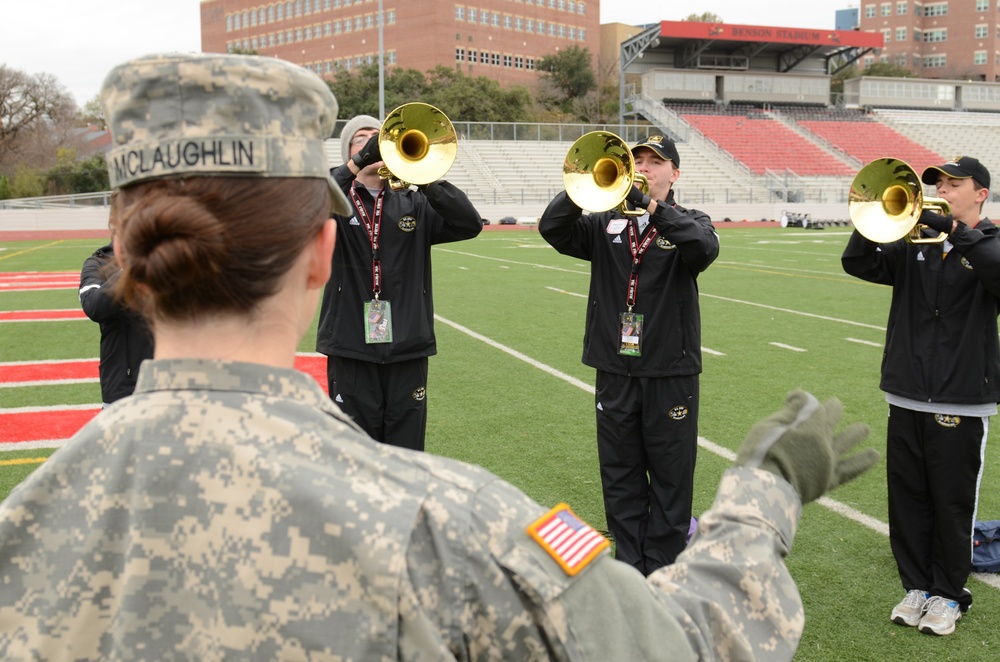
point(507, 391)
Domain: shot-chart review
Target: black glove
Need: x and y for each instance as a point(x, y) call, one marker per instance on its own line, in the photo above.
point(369, 154)
point(798, 444)
point(936, 222)
point(637, 198)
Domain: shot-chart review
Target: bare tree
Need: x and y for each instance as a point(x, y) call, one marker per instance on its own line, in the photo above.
point(36, 113)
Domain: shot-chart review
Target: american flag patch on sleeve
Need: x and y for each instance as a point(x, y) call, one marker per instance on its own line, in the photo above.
point(569, 540)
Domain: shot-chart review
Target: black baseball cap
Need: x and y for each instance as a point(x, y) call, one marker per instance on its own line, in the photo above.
point(664, 148)
point(960, 167)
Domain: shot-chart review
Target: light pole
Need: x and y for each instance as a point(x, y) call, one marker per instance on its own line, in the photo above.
point(381, 66)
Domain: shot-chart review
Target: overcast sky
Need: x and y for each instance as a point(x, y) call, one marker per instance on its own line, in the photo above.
point(78, 41)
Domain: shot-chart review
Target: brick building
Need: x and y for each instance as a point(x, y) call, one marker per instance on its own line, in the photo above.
point(499, 39)
point(944, 39)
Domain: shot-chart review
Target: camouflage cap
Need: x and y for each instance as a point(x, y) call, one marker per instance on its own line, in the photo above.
point(186, 115)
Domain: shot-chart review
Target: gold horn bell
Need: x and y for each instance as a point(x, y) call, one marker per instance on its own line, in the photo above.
point(418, 144)
point(886, 200)
point(599, 171)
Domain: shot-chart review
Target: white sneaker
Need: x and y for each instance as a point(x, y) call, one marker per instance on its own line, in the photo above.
point(911, 609)
point(940, 616)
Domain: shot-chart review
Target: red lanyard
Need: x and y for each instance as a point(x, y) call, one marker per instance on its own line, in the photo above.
point(637, 251)
point(374, 227)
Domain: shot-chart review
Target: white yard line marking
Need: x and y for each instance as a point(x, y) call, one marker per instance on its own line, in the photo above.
point(864, 342)
point(788, 347)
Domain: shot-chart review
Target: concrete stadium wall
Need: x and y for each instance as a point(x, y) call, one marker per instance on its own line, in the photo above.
point(96, 218)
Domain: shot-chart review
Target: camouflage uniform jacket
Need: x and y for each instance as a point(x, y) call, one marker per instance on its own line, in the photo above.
point(231, 511)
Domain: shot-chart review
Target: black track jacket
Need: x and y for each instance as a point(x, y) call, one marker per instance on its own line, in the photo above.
point(412, 221)
point(125, 338)
point(666, 293)
point(941, 342)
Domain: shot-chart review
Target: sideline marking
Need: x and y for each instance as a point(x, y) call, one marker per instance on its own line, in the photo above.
point(991, 579)
point(864, 342)
point(30, 250)
point(789, 347)
point(22, 460)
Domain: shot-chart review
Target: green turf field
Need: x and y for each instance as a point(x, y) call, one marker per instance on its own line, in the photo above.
point(507, 391)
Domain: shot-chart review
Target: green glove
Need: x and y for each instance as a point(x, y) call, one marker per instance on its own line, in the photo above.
point(798, 444)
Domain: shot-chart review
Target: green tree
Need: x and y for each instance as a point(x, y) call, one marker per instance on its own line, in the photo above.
point(73, 176)
point(356, 91)
point(93, 113)
point(475, 99)
point(570, 74)
point(5, 192)
point(704, 17)
point(27, 183)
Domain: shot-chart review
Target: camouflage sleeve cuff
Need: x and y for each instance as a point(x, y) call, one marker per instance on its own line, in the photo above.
point(757, 497)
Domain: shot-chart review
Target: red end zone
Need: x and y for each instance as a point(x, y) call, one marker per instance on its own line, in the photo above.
point(26, 426)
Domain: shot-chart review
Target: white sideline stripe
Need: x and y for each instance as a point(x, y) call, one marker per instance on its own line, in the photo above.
point(795, 312)
point(864, 342)
point(790, 347)
point(50, 382)
point(47, 361)
point(32, 445)
point(572, 294)
point(47, 319)
point(712, 352)
point(517, 355)
point(992, 579)
point(47, 408)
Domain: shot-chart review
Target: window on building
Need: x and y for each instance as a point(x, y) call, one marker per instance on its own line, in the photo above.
point(869, 11)
point(459, 13)
point(327, 29)
point(939, 9)
point(298, 7)
point(495, 59)
point(253, 18)
point(298, 35)
point(262, 16)
point(519, 62)
point(496, 19)
point(936, 35)
point(484, 17)
point(279, 12)
point(552, 29)
point(902, 8)
point(309, 34)
point(229, 23)
point(572, 34)
point(581, 33)
point(391, 56)
point(507, 61)
point(460, 54)
point(886, 9)
point(484, 57)
point(531, 64)
point(562, 31)
point(472, 55)
point(935, 61)
point(473, 15)
point(507, 22)
point(347, 25)
point(369, 20)
point(326, 7)
point(900, 34)
point(254, 44)
point(357, 23)
point(270, 14)
point(336, 27)
point(887, 35)
point(281, 38)
point(540, 28)
point(309, 6)
point(519, 23)
point(981, 6)
point(979, 57)
point(270, 40)
point(901, 60)
point(390, 17)
point(982, 31)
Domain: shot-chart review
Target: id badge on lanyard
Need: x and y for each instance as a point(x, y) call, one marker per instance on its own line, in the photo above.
point(377, 312)
point(630, 323)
